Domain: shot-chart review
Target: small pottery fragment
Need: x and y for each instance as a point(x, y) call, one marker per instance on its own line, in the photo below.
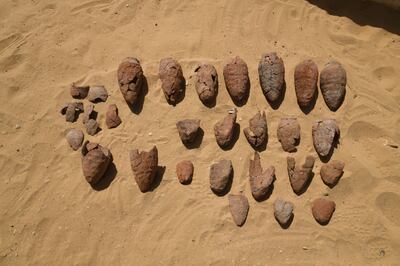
point(75, 138)
point(322, 210)
point(333, 84)
point(239, 207)
point(130, 80)
point(144, 167)
point(97, 94)
point(184, 171)
point(112, 117)
point(257, 132)
point(95, 161)
point(236, 78)
point(220, 176)
point(79, 92)
point(325, 133)
point(271, 71)
point(305, 82)
point(289, 134)
point(299, 177)
point(206, 83)
point(260, 181)
point(224, 129)
point(172, 80)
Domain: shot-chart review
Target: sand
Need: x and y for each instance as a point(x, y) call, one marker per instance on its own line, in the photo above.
point(51, 216)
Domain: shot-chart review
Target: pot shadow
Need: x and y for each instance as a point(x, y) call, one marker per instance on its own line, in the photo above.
point(197, 141)
point(363, 13)
point(107, 179)
point(93, 115)
point(138, 107)
point(158, 178)
point(277, 103)
point(212, 102)
point(98, 100)
point(297, 142)
point(227, 187)
point(188, 182)
point(235, 138)
point(325, 223)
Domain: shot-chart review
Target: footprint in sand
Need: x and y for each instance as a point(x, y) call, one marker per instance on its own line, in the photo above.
point(51, 7)
point(360, 129)
point(12, 61)
point(89, 6)
point(389, 204)
point(8, 41)
point(393, 179)
point(386, 77)
point(356, 183)
point(377, 247)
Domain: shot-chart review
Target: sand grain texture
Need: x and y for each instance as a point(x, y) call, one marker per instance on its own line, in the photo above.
point(51, 216)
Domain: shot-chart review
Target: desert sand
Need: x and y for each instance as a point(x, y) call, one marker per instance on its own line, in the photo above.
point(50, 215)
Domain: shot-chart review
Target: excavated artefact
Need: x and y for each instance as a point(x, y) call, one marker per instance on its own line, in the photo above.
point(89, 120)
point(260, 181)
point(257, 132)
point(239, 207)
point(305, 82)
point(130, 79)
point(172, 80)
point(289, 134)
point(236, 78)
point(224, 129)
point(188, 130)
point(325, 133)
point(95, 161)
point(184, 171)
point(283, 211)
point(220, 176)
point(271, 72)
point(79, 92)
point(333, 84)
point(322, 210)
point(331, 172)
point(72, 111)
point(75, 138)
point(144, 166)
point(97, 94)
point(112, 117)
point(206, 83)
point(299, 177)
point(92, 127)
point(90, 113)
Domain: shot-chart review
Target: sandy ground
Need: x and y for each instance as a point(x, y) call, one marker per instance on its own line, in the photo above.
point(51, 216)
